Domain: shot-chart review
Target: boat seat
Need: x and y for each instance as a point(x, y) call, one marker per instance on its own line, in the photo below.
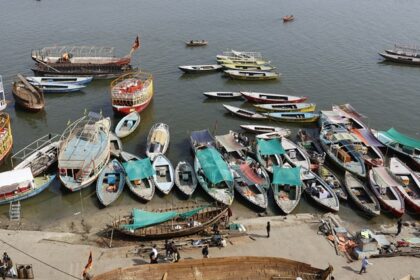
point(162, 172)
point(185, 176)
point(159, 137)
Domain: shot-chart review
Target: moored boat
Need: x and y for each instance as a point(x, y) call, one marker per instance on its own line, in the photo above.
point(333, 181)
point(288, 18)
point(411, 51)
point(110, 182)
point(6, 137)
point(249, 75)
point(239, 66)
point(266, 129)
point(60, 79)
point(287, 187)
point(157, 140)
point(48, 87)
point(185, 178)
point(295, 155)
point(309, 142)
point(115, 145)
point(223, 94)
point(286, 107)
point(131, 92)
point(320, 192)
point(272, 135)
point(401, 58)
point(268, 153)
point(200, 68)
point(163, 177)
point(361, 195)
point(27, 96)
point(244, 113)
point(139, 176)
point(239, 54)
point(128, 124)
point(3, 103)
point(261, 97)
point(293, 117)
point(196, 43)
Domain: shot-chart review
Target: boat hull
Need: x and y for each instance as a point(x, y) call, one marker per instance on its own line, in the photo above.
point(125, 110)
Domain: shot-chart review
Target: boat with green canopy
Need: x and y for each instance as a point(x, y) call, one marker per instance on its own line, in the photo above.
point(269, 153)
point(214, 175)
point(287, 187)
point(170, 223)
point(139, 177)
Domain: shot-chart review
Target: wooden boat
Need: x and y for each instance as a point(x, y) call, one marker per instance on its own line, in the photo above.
point(295, 155)
point(400, 58)
point(409, 186)
point(3, 103)
point(128, 124)
point(239, 268)
point(247, 67)
point(268, 153)
point(110, 183)
point(286, 107)
point(320, 192)
point(287, 187)
point(239, 54)
point(244, 113)
point(6, 137)
point(333, 181)
point(157, 140)
point(242, 60)
point(196, 43)
point(20, 184)
point(369, 148)
point(169, 223)
point(288, 18)
point(115, 145)
point(131, 92)
point(139, 176)
point(48, 87)
point(84, 151)
point(272, 135)
point(308, 142)
point(252, 75)
point(27, 96)
point(185, 178)
point(293, 117)
point(285, 132)
point(200, 68)
point(385, 188)
point(223, 94)
point(404, 51)
point(39, 156)
point(164, 174)
point(261, 97)
point(361, 195)
point(63, 79)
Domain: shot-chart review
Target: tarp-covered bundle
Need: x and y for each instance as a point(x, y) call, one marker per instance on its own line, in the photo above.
point(286, 176)
point(214, 167)
point(402, 139)
point(138, 169)
point(270, 147)
point(13, 180)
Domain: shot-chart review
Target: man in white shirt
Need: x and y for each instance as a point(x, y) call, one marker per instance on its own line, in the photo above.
point(154, 255)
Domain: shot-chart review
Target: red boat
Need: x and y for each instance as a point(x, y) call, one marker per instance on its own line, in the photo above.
point(288, 18)
point(260, 97)
point(132, 92)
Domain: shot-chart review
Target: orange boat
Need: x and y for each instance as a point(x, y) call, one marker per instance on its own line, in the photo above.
point(6, 138)
point(288, 18)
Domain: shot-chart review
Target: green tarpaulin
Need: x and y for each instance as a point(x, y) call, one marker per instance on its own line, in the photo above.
point(286, 176)
point(213, 165)
point(138, 169)
point(402, 139)
point(270, 147)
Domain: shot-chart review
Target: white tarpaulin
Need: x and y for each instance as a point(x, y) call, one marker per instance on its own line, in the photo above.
point(13, 180)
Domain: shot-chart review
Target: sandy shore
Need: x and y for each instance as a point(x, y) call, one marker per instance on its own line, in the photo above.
point(56, 255)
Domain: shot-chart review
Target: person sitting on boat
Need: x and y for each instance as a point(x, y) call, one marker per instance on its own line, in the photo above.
point(314, 190)
point(323, 194)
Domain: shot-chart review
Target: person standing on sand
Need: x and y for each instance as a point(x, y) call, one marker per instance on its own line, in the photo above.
point(268, 227)
point(205, 252)
point(399, 226)
point(365, 263)
point(154, 255)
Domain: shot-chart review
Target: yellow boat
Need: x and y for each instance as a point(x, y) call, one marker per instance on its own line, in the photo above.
point(286, 107)
point(6, 138)
point(252, 75)
point(241, 66)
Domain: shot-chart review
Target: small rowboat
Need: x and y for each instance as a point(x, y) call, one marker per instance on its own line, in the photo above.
point(261, 97)
point(401, 58)
point(164, 175)
point(157, 140)
point(60, 79)
point(252, 75)
point(239, 66)
point(47, 87)
point(244, 113)
point(288, 18)
point(332, 180)
point(266, 129)
point(139, 181)
point(110, 183)
point(128, 124)
point(115, 145)
point(27, 96)
point(295, 155)
point(200, 68)
point(287, 196)
point(293, 117)
point(185, 178)
point(361, 195)
point(286, 107)
point(320, 192)
point(223, 94)
point(196, 43)
point(272, 135)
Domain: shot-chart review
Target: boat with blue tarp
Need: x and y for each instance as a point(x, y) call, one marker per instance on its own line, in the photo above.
point(139, 177)
point(287, 187)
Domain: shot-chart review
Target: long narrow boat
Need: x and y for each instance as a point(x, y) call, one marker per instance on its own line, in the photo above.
point(157, 140)
point(285, 132)
point(271, 135)
point(333, 181)
point(286, 107)
point(62, 79)
point(48, 87)
point(115, 145)
point(309, 142)
point(243, 268)
point(244, 113)
point(287, 187)
point(385, 188)
point(169, 223)
point(84, 151)
point(132, 92)
point(240, 66)
point(295, 155)
point(3, 103)
point(409, 186)
point(239, 54)
point(401, 58)
point(20, 184)
point(293, 117)
point(361, 195)
point(139, 176)
point(185, 178)
point(27, 96)
point(128, 124)
point(223, 94)
point(261, 97)
point(404, 51)
point(268, 153)
point(6, 137)
point(110, 182)
point(249, 75)
point(200, 68)
point(320, 192)
point(164, 174)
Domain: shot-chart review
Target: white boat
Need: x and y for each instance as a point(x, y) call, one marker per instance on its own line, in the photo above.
point(295, 155)
point(157, 140)
point(286, 107)
point(84, 151)
point(239, 54)
point(266, 129)
point(115, 145)
point(128, 124)
point(252, 75)
point(273, 135)
point(200, 68)
point(244, 113)
point(48, 87)
point(3, 103)
point(223, 94)
point(60, 79)
point(164, 175)
point(185, 178)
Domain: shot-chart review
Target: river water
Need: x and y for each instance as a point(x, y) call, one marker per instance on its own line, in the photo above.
point(329, 53)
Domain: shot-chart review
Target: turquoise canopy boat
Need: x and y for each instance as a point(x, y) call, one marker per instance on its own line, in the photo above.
point(287, 187)
point(269, 153)
point(139, 177)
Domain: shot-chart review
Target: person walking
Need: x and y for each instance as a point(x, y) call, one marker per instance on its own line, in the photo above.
point(365, 263)
point(399, 226)
point(205, 252)
point(154, 255)
point(268, 228)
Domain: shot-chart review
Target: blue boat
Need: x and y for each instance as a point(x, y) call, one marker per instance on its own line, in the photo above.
point(110, 183)
point(61, 80)
point(48, 87)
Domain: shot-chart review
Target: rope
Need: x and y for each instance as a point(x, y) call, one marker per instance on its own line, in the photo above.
point(44, 263)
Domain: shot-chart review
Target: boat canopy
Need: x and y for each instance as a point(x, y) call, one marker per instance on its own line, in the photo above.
point(213, 165)
point(229, 143)
point(143, 219)
point(366, 136)
point(270, 147)
point(286, 176)
point(402, 139)
point(138, 169)
point(11, 181)
point(201, 138)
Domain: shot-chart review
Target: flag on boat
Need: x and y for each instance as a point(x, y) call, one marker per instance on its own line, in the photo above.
point(88, 265)
point(136, 43)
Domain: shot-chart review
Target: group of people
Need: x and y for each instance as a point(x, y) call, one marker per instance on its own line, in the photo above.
point(6, 266)
point(172, 252)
